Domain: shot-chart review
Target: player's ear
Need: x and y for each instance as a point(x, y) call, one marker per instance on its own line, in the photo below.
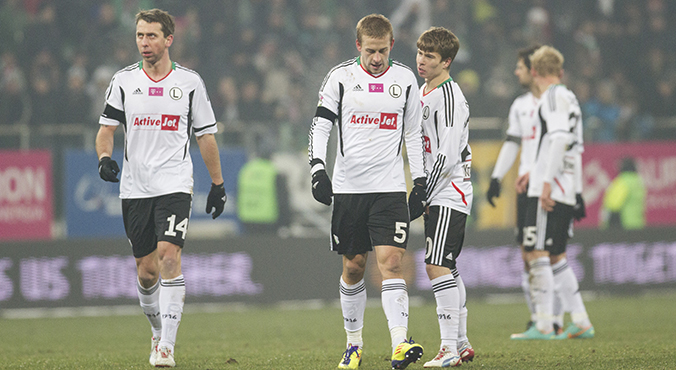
point(169, 41)
point(358, 45)
point(392, 44)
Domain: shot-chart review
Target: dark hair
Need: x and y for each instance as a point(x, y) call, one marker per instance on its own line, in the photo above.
point(158, 16)
point(525, 53)
point(628, 165)
point(439, 40)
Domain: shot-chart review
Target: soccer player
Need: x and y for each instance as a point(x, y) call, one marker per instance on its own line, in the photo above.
point(375, 103)
point(523, 120)
point(553, 184)
point(159, 105)
point(448, 161)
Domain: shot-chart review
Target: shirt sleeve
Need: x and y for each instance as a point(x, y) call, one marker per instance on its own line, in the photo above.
point(453, 148)
point(113, 111)
point(558, 111)
point(513, 126)
point(203, 118)
point(506, 158)
point(414, 134)
point(579, 174)
point(325, 116)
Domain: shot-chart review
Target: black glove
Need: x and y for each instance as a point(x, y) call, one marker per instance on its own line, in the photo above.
point(579, 210)
point(417, 200)
point(321, 187)
point(216, 200)
point(108, 169)
point(493, 191)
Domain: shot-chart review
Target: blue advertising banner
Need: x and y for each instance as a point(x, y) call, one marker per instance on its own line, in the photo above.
point(93, 206)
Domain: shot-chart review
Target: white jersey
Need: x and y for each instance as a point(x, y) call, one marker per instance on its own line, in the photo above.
point(375, 115)
point(560, 117)
point(158, 119)
point(448, 156)
point(523, 122)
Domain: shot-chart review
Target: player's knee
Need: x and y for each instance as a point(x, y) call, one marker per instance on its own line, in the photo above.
point(353, 268)
point(390, 265)
point(148, 278)
point(435, 271)
point(353, 274)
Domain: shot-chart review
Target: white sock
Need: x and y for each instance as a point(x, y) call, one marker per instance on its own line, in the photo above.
point(394, 298)
point(462, 295)
point(172, 297)
point(150, 303)
point(569, 291)
point(542, 292)
point(525, 286)
point(557, 309)
point(448, 310)
point(353, 304)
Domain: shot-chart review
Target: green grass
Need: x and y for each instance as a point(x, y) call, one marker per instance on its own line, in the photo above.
point(631, 333)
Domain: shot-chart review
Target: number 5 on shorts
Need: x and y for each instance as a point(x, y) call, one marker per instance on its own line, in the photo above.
point(400, 232)
point(529, 236)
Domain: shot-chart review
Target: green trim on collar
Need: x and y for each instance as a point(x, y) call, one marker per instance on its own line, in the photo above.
point(447, 80)
point(140, 65)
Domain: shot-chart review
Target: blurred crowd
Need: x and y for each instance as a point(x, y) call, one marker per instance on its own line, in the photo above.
point(263, 60)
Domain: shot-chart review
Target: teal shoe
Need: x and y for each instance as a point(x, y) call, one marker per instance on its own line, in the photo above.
point(533, 333)
point(575, 332)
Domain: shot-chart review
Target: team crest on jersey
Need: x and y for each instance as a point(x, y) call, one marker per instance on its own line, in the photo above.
point(156, 91)
point(383, 121)
point(163, 122)
point(175, 93)
point(426, 112)
point(395, 91)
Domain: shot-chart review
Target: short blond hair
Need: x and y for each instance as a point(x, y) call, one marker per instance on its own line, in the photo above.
point(376, 26)
point(547, 61)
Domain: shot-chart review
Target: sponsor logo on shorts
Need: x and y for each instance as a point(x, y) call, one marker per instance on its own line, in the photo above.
point(164, 122)
point(383, 121)
point(156, 91)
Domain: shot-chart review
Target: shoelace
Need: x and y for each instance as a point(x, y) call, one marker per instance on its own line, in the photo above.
point(348, 353)
point(441, 353)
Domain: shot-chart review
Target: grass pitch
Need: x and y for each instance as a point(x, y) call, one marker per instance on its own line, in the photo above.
point(635, 332)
